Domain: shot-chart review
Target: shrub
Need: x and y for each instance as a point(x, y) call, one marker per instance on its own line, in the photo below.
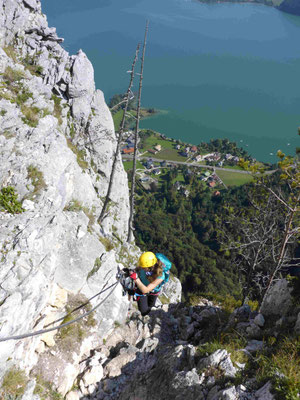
point(8, 134)
point(10, 52)
point(23, 96)
point(9, 201)
point(281, 364)
point(57, 108)
point(107, 243)
point(29, 63)
point(11, 76)
point(13, 384)
point(45, 389)
point(76, 206)
point(37, 179)
point(31, 115)
point(70, 337)
point(80, 154)
point(95, 269)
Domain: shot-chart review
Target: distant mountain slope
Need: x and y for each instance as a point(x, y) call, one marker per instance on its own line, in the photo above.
point(290, 6)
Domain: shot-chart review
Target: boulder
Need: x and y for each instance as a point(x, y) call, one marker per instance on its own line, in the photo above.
point(279, 300)
point(297, 325)
point(259, 320)
point(213, 360)
point(93, 375)
point(254, 345)
point(227, 394)
point(264, 392)
point(172, 290)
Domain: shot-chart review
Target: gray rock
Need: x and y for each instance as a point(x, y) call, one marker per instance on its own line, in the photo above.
point(279, 299)
point(254, 345)
point(259, 320)
point(48, 244)
point(28, 395)
point(227, 367)
point(33, 4)
point(227, 394)
point(213, 360)
point(264, 392)
point(213, 393)
point(172, 290)
point(297, 325)
point(253, 331)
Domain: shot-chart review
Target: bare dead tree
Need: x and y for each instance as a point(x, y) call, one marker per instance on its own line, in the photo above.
point(250, 236)
point(262, 236)
point(136, 132)
point(120, 135)
point(290, 233)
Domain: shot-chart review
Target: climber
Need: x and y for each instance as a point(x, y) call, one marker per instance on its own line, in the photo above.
point(149, 277)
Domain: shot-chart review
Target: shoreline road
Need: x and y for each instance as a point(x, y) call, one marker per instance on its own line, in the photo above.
point(238, 171)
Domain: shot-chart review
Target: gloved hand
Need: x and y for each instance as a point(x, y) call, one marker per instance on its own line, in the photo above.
point(134, 276)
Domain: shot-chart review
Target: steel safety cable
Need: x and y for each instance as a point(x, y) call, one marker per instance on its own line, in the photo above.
point(40, 332)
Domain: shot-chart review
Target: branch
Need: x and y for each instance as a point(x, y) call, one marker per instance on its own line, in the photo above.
point(117, 151)
point(130, 221)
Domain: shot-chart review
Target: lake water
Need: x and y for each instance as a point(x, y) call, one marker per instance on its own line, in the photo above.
point(221, 70)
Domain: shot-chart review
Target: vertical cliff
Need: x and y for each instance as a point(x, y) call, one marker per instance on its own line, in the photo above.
point(57, 142)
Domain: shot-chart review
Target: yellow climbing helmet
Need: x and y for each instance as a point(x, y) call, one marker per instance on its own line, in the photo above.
point(147, 260)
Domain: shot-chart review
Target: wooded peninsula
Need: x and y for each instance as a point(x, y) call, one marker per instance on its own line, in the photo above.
point(289, 6)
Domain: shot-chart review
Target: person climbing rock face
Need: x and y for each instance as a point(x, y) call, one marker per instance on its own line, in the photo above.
point(151, 274)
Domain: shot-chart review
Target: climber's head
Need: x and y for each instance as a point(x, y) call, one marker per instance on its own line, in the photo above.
point(147, 260)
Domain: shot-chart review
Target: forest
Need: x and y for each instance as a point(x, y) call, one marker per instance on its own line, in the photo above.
point(205, 236)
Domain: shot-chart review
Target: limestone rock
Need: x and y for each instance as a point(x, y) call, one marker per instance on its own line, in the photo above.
point(254, 345)
point(214, 359)
point(56, 242)
point(227, 394)
point(94, 375)
point(73, 396)
point(114, 367)
point(33, 4)
point(172, 290)
point(278, 300)
point(259, 320)
point(264, 392)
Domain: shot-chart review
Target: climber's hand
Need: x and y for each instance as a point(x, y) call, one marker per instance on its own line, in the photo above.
point(134, 276)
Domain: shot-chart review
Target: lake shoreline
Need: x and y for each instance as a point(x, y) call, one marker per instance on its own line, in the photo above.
point(287, 6)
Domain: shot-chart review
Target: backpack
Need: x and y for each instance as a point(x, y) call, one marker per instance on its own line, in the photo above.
point(166, 268)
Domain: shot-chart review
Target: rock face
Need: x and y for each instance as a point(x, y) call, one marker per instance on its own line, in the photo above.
point(57, 142)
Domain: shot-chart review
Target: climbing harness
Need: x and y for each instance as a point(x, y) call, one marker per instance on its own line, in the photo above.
point(40, 332)
point(123, 276)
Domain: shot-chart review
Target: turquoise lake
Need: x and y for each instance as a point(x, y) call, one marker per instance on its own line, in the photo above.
point(221, 70)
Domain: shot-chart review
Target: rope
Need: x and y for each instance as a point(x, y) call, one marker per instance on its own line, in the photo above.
point(77, 308)
point(40, 332)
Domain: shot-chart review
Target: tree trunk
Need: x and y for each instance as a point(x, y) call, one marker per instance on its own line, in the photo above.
point(121, 130)
point(132, 192)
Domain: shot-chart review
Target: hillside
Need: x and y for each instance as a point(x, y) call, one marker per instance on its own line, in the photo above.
point(288, 6)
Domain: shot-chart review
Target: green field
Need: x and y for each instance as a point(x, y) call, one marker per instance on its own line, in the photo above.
point(153, 140)
point(117, 117)
point(234, 178)
point(167, 154)
point(168, 151)
point(236, 167)
point(128, 165)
